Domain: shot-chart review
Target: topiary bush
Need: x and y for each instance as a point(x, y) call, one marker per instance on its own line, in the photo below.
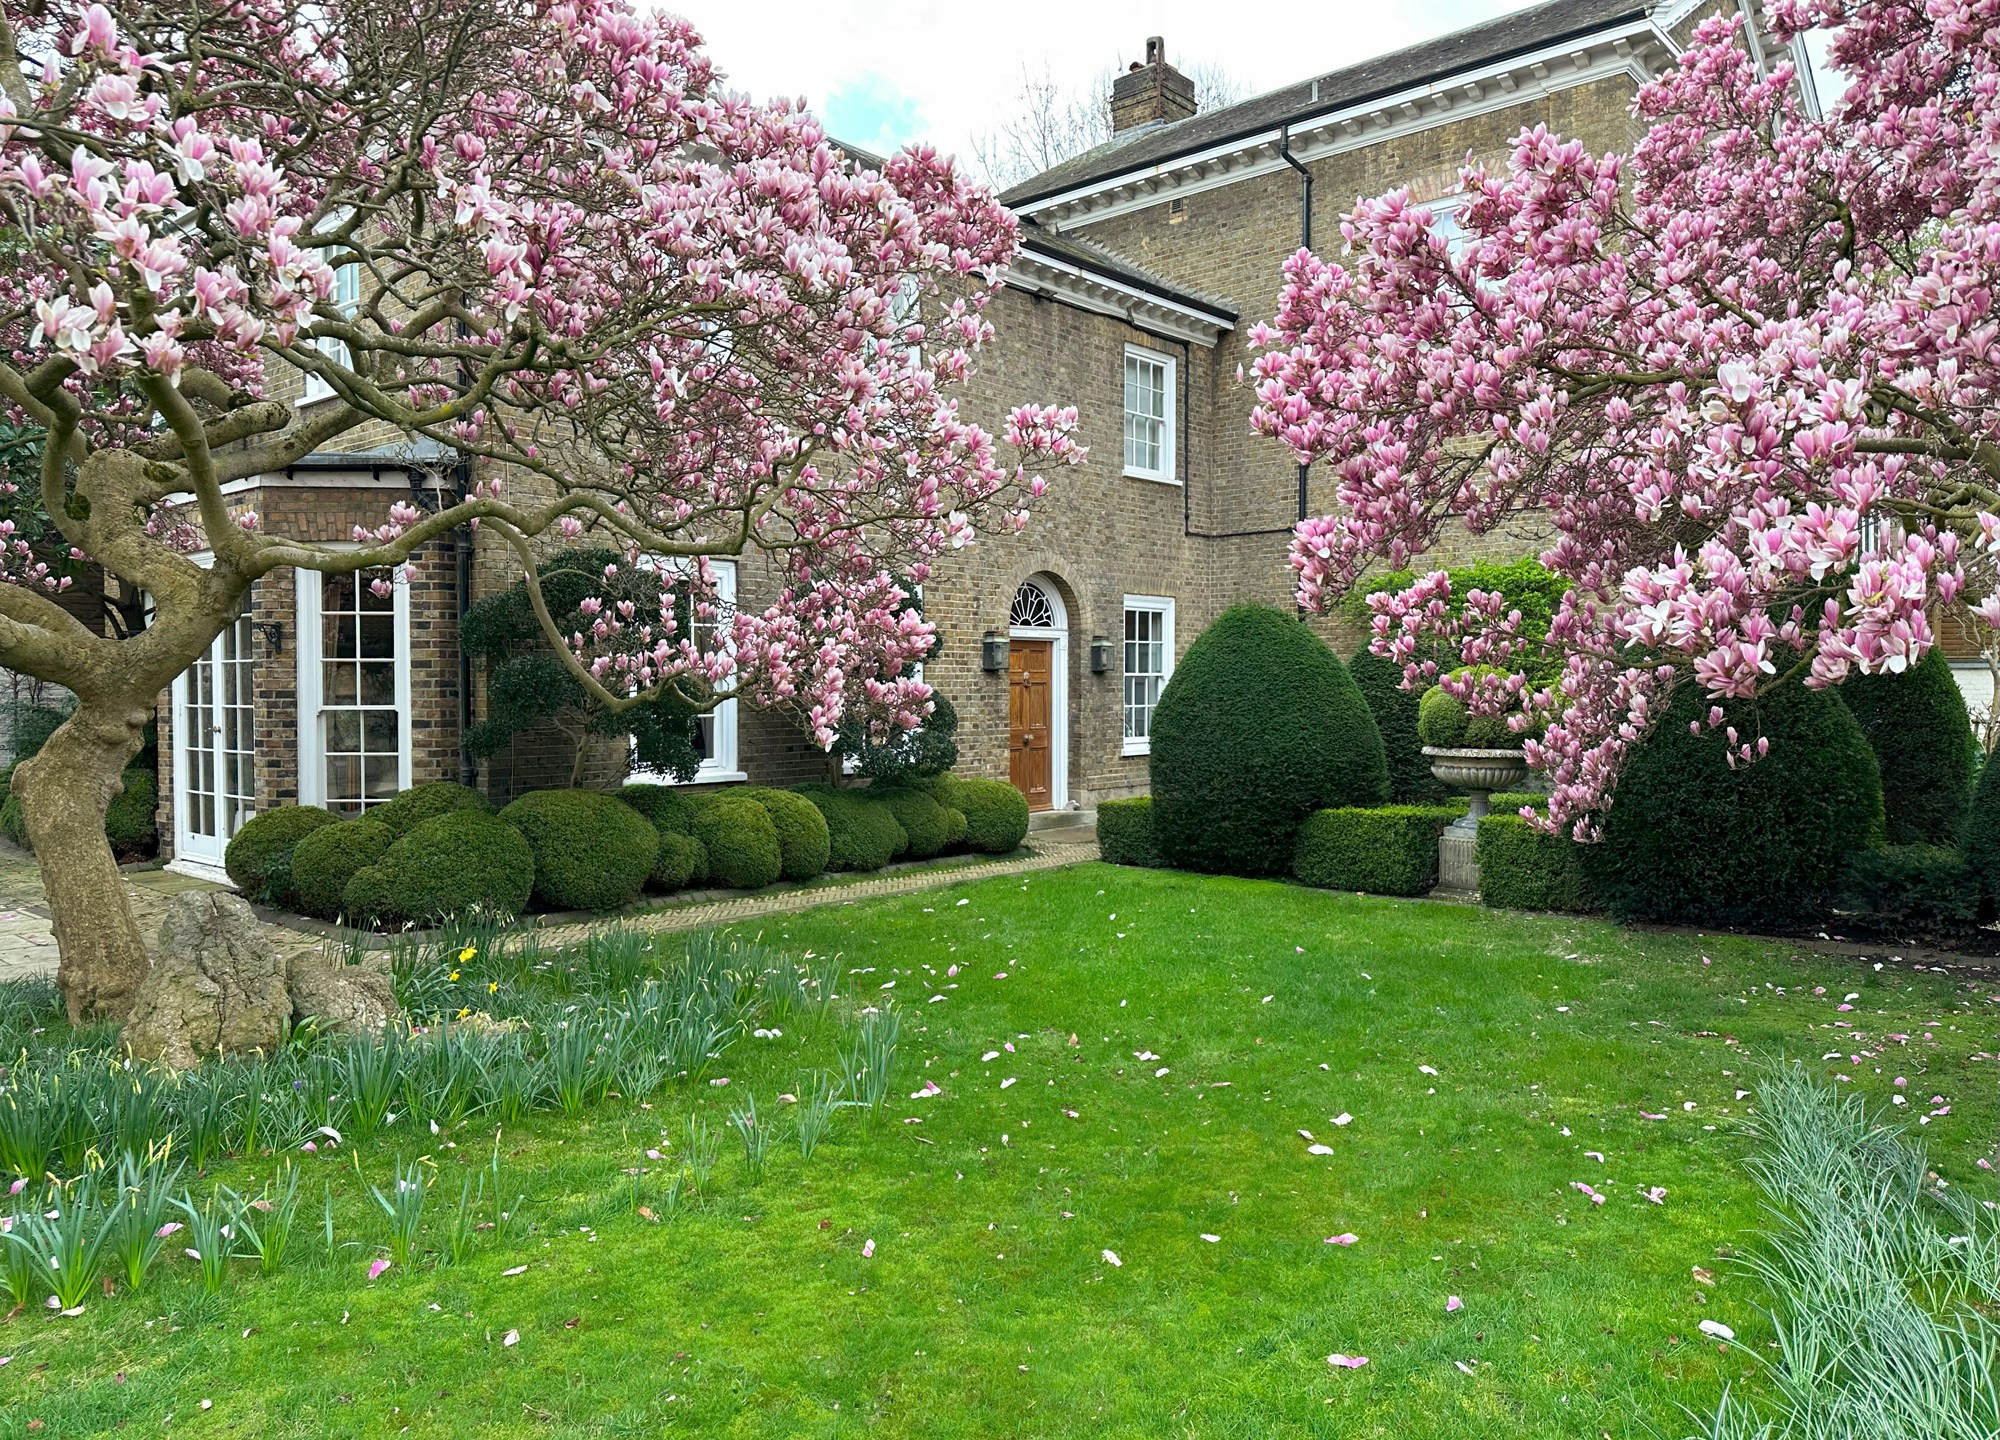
point(1444, 721)
point(324, 862)
point(424, 802)
point(1380, 682)
point(926, 823)
point(741, 841)
point(1917, 725)
point(1125, 832)
point(259, 858)
point(1259, 726)
point(14, 819)
point(681, 862)
point(667, 807)
point(996, 814)
point(130, 823)
point(1981, 848)
point(862, 834)
point(1921, 891)
point(804, 842)
point(445, 866)
point(1380, 850)
point(1522, 868)
point(1688, 838)
point(591, 853)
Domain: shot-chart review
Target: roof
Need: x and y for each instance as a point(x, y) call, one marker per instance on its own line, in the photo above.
point(1100, 261)
point(1523, 31)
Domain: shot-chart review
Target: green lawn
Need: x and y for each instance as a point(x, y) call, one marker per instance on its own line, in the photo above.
point(1171, 1037)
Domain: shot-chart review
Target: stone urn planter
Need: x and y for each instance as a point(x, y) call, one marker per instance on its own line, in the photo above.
point(1478, 772)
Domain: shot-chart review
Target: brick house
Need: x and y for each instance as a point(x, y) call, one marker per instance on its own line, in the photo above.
point(1142, 264)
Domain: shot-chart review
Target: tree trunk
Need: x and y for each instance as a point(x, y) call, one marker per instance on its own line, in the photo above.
point(65, 790)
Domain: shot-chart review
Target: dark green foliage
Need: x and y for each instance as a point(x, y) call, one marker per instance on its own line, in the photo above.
point(1922, 738)
point(1380, 682)
point(681, 862)
point(1379, 850)
point(528, 686)
point(741, 841)
point(1535, 592)
point(1687, 838)
point(259, 858)
point(862, 833)
point(1982, 834)
point(444, 867)
point(426, 802)
point(129, 822)
point(668, 808)
point(1510, 802)
point(326, 860)
point(1125, 832)
point(1444, 721)
point(1522, 868)
point(1259, 726)
point(922, 753)
point(29, 726)
point(926, 824)
point(14, 819)
point(591, 853)
point(1911, 890)
point(996, 814)
point(803, 840)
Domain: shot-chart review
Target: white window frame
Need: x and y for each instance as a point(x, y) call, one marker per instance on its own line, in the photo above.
point(345, 277)
point(312, 688)
point(1163, 606)
point(1166, 473)
point(721, 765)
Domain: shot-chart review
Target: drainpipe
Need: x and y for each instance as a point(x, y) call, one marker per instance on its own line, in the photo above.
point(461, 538)
point(1305, 243)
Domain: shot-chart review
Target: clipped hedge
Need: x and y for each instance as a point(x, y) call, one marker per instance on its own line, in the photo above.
point(1380, 682)
point(669, 809)
point(926, 823)
point(862, 834)
point(1125, 832)
point(1688, 838)
point(1522, 868)
point(456, 862)
point(1917, 725)
point(326, 861)
point(804, 842)
point(996, 814)
point(1923, 890)
point(741, 841)
point(1982, 835)
point(682, 861)
point(259, 858)
point(1379, 850)
point(591, 853)
point(130, 822)
point(1259, 726)
point(424, 802)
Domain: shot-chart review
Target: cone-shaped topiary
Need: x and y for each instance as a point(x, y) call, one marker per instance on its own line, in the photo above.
point(1982, 836)
point(325, 861)
point(259, 858)
point(426, 802)
point(1259, 726)
point(1380, 682)
point(1922, 737)
point(591, 853)
point(1688, 838)
point(444, 867)
point(803, 839)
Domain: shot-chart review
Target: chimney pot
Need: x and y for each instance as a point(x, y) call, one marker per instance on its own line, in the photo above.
point(1152, 92)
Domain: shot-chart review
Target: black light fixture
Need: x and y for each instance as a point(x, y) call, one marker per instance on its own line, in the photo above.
point(993, 652)
point(274, 635)
point(1100, 654)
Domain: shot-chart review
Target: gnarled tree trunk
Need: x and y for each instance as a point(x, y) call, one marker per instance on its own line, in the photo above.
point(65, 790)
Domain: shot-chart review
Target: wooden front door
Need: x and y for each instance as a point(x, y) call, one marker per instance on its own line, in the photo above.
point(1030, 720)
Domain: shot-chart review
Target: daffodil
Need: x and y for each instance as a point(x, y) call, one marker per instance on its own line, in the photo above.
point(492, 987)
point(454, 974)
point(467, 953)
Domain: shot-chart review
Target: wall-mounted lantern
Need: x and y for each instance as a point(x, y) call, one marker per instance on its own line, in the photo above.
point(993, 652)
point(1100, 654)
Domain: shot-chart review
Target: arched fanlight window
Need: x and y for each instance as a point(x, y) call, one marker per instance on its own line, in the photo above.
point(1032, 609)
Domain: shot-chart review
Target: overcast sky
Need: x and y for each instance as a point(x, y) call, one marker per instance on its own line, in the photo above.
point(881, 74)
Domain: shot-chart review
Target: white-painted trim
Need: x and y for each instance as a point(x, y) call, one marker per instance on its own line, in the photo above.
point(186, 862)
point(1628, 50)
point(1036, 272)
point(311, 691)
point(721, 767)
point(1058, 686)
point(1164, 604)
point(1168, 472)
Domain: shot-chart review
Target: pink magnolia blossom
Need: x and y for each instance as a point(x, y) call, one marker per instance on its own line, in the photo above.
point(1743, 376)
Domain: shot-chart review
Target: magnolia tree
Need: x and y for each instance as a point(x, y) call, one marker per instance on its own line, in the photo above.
point(1747, 376)
point(638, 304)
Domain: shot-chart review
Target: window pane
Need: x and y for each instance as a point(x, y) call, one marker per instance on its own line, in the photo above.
point(378, 683)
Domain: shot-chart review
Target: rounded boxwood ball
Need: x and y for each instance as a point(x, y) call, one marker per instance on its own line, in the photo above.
point(591, 852)
point(258, 859)
point(130, 824)
point(1917, 725)
point(445, 866)
point(325, 861)
point(996, 814)
point(922, 818)
point(681, 862)
point(742, 843)
point(804, 842)
point(1259, 726)
point(1687, 838)
point(426, 802)
point(862, 834)
point(669, 809)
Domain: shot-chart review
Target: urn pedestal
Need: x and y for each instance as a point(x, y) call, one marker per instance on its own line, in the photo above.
point(1479, 773)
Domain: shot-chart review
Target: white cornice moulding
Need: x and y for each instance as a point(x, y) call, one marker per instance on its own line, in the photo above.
point(1637, 51)
point(1037, 273)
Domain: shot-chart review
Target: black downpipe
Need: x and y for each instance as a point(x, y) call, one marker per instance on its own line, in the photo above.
point(1305, 243)
point(468, 770)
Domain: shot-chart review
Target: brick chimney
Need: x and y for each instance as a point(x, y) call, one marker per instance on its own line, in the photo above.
point(1150, 93)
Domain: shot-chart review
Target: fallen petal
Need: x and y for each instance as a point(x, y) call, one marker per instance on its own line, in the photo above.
point(1347, 1362)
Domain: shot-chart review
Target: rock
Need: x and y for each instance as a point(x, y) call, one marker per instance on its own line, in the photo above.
point(342, 999)
point(217, 984)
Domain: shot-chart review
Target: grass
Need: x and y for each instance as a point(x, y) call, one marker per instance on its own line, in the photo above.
point(987, 1307)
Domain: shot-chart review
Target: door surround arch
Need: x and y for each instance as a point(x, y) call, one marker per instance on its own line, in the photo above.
point(1038, 615)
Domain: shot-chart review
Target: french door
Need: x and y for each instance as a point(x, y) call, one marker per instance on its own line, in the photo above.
point(215, 742)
